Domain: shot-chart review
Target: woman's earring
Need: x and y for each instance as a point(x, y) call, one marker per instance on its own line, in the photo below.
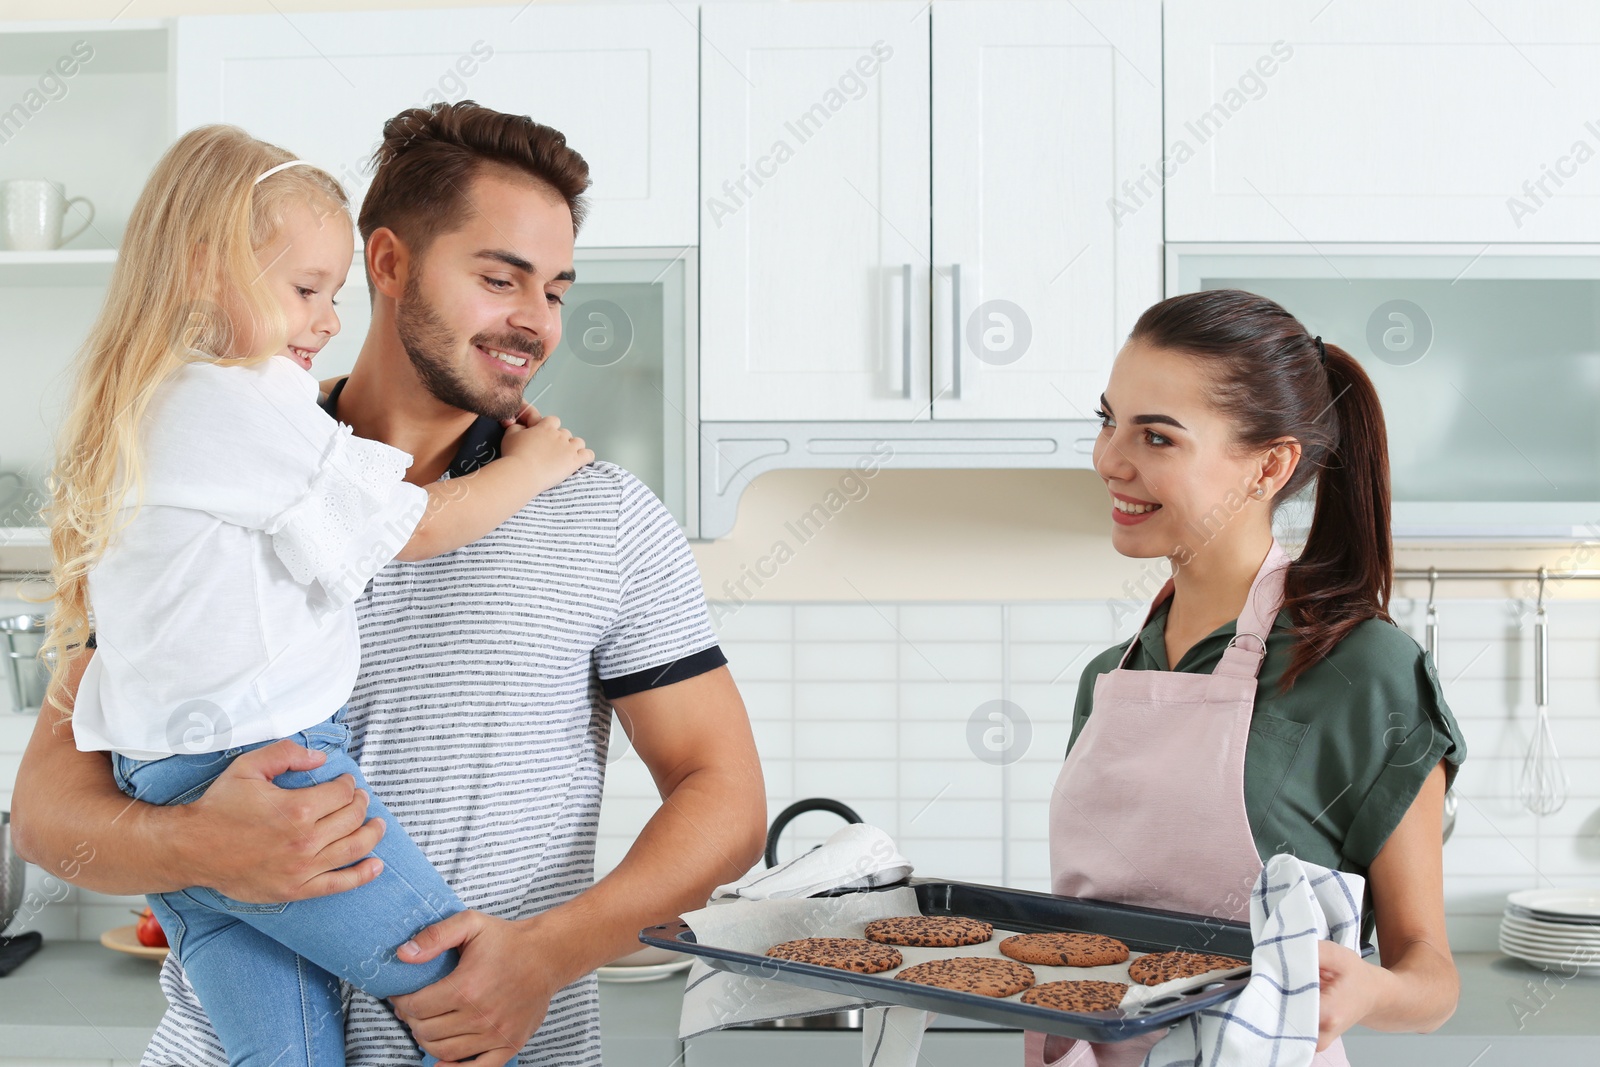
point(1260, 492)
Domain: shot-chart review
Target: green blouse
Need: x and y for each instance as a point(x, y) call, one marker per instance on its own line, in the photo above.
point(1332, 765)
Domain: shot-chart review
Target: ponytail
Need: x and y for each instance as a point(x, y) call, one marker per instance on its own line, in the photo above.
point(1273, 380)
point(1345, 573)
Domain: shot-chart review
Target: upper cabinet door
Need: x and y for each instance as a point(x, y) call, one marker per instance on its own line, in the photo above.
point(620, 82)
point(814, 230)
point(1366, 120)
point(1046, 116)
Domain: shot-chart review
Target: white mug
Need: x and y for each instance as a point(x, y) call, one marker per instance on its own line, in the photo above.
point(31, 213)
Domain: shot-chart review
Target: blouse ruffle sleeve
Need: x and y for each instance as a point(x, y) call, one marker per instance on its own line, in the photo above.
point(355, 517)
point(249, 446)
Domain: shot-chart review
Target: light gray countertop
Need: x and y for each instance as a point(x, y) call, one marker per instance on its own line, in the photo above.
point(79, 1001)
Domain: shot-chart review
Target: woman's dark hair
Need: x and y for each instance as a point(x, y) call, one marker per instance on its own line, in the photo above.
point(1268, 377)
point(430, 155)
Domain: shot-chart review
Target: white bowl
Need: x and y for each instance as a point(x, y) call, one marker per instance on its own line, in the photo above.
point(648, 956)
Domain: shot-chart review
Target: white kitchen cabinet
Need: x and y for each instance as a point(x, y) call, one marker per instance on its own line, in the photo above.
point(1362, 120)
point(814, 228)
point(621, 81)
point(1022, 273)
point(1041, 112)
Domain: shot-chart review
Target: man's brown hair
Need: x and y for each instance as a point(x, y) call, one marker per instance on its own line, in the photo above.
point(430, 156)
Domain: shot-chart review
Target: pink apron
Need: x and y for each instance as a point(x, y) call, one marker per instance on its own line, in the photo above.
point(1149, 808)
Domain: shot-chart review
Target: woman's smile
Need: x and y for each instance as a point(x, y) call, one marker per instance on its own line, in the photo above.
point(1130, 511)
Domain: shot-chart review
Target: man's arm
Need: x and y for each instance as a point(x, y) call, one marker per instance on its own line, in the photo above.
point(694, 736)
point(244, 837)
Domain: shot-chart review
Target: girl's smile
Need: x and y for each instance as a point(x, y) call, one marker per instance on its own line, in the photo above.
point(303, 356)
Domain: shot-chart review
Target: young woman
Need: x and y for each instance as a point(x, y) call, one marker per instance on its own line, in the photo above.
point(1267, 705)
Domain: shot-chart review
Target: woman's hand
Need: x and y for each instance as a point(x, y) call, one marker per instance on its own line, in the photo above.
point(1350, 990)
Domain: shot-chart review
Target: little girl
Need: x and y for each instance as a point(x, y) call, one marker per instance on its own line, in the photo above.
point(219, 526)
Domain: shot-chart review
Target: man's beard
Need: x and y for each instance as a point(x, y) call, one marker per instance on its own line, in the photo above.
point(429, 344)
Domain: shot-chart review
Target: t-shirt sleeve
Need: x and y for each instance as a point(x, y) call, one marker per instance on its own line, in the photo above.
point(1412, 730)
point(661, 633)
point(250, 446)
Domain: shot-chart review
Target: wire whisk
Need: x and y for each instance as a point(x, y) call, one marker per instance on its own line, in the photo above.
point(1544, 781)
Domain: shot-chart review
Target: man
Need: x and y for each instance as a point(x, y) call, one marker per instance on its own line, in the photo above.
point(482, 710)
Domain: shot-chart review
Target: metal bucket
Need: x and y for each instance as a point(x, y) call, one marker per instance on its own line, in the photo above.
point(12, 873)
point(21, 637)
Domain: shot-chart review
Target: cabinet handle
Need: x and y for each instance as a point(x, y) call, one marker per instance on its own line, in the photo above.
point(905, 331)
point(955, 331)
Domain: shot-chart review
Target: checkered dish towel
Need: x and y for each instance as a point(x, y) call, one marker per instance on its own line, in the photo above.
point(1293, 906)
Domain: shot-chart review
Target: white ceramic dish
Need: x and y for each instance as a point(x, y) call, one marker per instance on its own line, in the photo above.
point(1583, 904)
point(1581, 953)
point(1566, 962)
point(1541, 932)
point(650, 972)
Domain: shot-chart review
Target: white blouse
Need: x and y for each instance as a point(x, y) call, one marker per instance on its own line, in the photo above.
point(224, 611)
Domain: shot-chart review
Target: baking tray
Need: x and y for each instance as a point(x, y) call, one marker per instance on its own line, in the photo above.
point(1018, 911)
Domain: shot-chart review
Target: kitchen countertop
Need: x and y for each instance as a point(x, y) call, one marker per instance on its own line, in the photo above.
point(76, 1000)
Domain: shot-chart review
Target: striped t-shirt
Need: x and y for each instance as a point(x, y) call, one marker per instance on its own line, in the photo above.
point(480, 716)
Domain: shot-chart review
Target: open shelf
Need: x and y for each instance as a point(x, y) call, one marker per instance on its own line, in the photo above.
point(24, 537)
point(86, 266)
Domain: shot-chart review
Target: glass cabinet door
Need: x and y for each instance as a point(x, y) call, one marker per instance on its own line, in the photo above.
point(1487, 362)
point(620, 379)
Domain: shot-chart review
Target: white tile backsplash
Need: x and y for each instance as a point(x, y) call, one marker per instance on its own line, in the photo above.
point(871, 704)
point(844, 622)
point(831, 701)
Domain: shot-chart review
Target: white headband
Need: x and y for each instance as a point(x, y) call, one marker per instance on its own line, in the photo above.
point(264, 175)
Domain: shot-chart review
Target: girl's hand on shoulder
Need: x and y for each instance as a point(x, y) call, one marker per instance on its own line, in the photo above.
point(549, 452)
point(1349, 990)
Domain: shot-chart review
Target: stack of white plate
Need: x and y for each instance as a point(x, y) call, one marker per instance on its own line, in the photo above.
point(1557, 929)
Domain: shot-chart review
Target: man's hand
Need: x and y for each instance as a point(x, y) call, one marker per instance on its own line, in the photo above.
point(244, 836)
point(301, 840)
point(695, 739)
point(484, 1011)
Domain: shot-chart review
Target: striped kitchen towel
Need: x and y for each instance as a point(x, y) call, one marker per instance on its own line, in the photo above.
point(1293, 906)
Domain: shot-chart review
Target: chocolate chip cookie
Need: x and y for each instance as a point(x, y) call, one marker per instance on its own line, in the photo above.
point(845, 953)
point(1064, 949)
point(1161, 967)
point(929, 931)
point(982, 975)
point(1077, 996)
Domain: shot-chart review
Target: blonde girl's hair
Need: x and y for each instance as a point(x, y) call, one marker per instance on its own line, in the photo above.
point(185, 280)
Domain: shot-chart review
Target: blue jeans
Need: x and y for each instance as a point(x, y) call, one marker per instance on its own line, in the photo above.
point(268, 974)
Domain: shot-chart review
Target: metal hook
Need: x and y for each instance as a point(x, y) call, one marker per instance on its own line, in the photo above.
point(1433, 578)
point(1542, 574)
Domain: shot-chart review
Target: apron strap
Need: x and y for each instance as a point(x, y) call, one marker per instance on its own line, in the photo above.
point(1248, 646)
